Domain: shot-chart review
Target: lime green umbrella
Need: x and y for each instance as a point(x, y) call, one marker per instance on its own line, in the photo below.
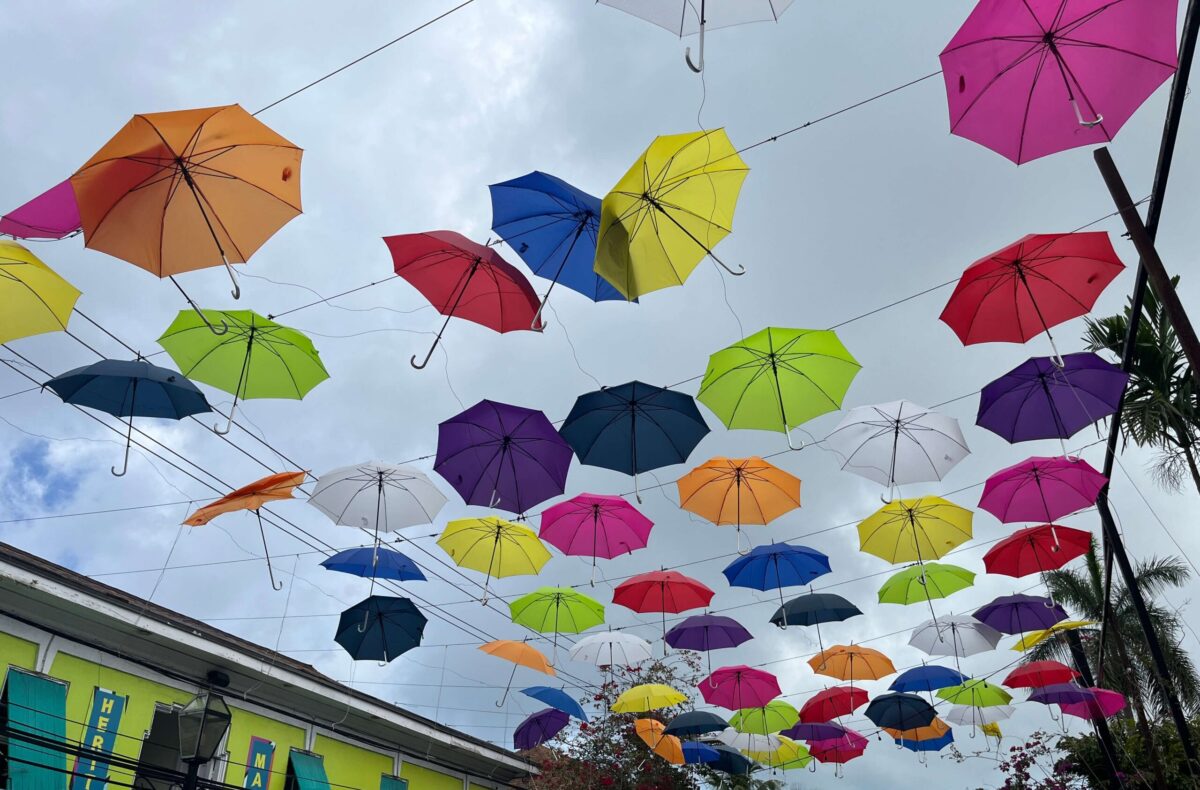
point(252, 357)
point(771, 718)
point(557, 610)
point(976, 693)
point(777, 379)
point(924, 582)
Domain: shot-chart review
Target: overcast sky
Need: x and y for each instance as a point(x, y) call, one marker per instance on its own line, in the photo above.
point(836, 220)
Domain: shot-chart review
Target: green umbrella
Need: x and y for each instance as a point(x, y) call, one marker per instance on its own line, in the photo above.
point(773, 717)
point(976, 693)
point(924, 582)
point(557, 610)
point(253, 358)
point(777, 379)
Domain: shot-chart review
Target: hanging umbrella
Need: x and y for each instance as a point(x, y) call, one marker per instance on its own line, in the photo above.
point(814, 609)
point(914, 530)
point(739, 687)
point(777, 379)
point(839, 750)
point(1018, 292)
point(852, 662)
point(611, 648)
point(786, 756)
point(1061, 694)
point(924, 582)
point(495, 547)
point(738, 491)
point(829, 704)
point(1016, 614)
point(521, 655)
point(957, 635)
point(748, 741)
point(553, 227)
point(974, 716)
point(667, 747)
point(817, 731)
point(271, 488)
point(1035, 638)
point(775, 566)
point(596, 526)
point(900, 711)
point(927, 678)
point(923, 739)
point(633, 428)
point(731, 761)
point(695, 722)
point(1041, 489)
point(1103, 704)
point(375, 563)
point(127, 389)
point(537, 728)
point(648, 696)
point(36, 299)
point(252, 358)
point(557, 610)
point(898, 443)
point(773, 717)
point(1040, 400)
point(462, 279)
point(172, 192)
point(1036, 550)
point(976, 693)
point(54, 214)
point(380, 627)
point(558, 699)
point(662, 591)
point(1027, 78)
point(695, 752)
point(993, 730)
point(707, 632)
point(497, 455)
point(1037, 674)
point(668, 212)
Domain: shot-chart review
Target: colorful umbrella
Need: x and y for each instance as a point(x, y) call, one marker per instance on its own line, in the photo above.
point(958, 635)
point(252, 357)
point(1061, 694)
point(648, 696)
point(777, 379)
point(900, 711)
point(748, 741)
point(839, 750)
point(380, 627)
point(731, 761)
point(1104, 703)
point(775, 566)
point(739, 687)
point(668, 212)
point(1040, 400)
point(914, 530)
point(36, 299)
point(818, 731)
point(667, 747)
point(971, 715)
point(558, 699)
point(596, 526)
point(695, 752)
point(127, 389)
point(1041, 489)
point(786, 756)
point(662, 591)
point(993, 729)
point(462, 279)
point(852, 662)
point(695, 722)
point(521, 655)
point(898, 443)
point(633, 428)
point(557, 610)
point(497, 455)
point(375, 563)
point(814, 609)
point(54, 214)
point(707, 632)
point(976, 693)
point(537, 728)
point(552, 226)
point(925, 582)
point(935, 729)
point(1036, 550)
point(773, 717)
point(829, 704)
point(1034, 638)
point(1016, 614)
point(377, 496)
point(739, 491)
point(1018, 71)
point(1036, 674)
point(612, 648)
point(927, 678)
point(495, 547)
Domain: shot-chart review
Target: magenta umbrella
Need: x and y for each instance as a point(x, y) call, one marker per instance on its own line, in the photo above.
point(1027, 78)
point(596, 526)
point(739, 687)
point(1104, 703)
point(54, 214)
point(1041, 489)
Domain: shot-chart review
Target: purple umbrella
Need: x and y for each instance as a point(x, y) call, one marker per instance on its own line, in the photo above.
point(1039, 400)
point(815, 731)
point(497, 455)
point(1016, 614)
point(1062, 694)
point(539, 727)
point(707, 632)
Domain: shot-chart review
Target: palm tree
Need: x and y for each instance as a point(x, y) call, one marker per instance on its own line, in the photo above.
point(1160, 405)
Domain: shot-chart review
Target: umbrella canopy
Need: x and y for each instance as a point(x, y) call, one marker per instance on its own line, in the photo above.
point(898, 443)
point(520, 654)
point(611, 649)
point(829, 704)
point(695, 752)
point(927, 678)
point(462, 279)
point(738, 491)
point(695, 722)
point(539, 727)
point(1027, 78)
point(777, 379)
point(271, 488)
point(925, 582)
point(839, 750)
point(731, 761)
point(786, 756)
point(377, 496)
point(775, 566)
point(1040, 400)
point(596, 526)
point(1041, 489)
point(707, 632)
point(900, 711)
point(667, 747)
point(648, 696)
point(914, 530)
point(1061, 694)
point(497, 455)
point(36, 299)
point(738, 687)
point(683, 17)
point(976, 693)
point(748, 741)
point(1034, 638)
point(54, 214)
point(1016, 614)
point(557, 610)
point(1104, 703)
point(956, 635)
point(816, 731)
point(974, 716)
point(926, 743)
point(662, 591)
point(495, 547)
point(773, 717)
point(375, 563)
point(935, 729)
point(1047, 547)
point(852, 662)
point(668, 211)
point(380, 627)
point(814, 609)
point(557, 699)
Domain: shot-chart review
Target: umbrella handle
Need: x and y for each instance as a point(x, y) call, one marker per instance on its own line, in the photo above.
point(413, 360)
point(687, 53)
point(128, 441)
point(277, 586)
point(236, 293)
point(787, 432)
point(1079, 116)
point(199, 312)
point(228, 425)
point(739, 544)
point(738, 272)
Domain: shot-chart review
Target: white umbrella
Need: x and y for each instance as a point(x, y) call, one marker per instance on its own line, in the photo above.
point(968, 715)
point(611, 648)
point(748, 741)
point(898, 443)
point(956, 635)
point(377, 496)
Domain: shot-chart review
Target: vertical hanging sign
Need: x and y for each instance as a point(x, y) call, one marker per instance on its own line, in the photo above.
point(100, 735)
point(258, 764)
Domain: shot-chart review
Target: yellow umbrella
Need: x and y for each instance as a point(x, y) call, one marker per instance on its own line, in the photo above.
point(914, 530)
point(789, 755)
point(669, 211)
point(647, 696)
point(993, 730)
point(1037, 637)
point(493, 546)
point(35, 298)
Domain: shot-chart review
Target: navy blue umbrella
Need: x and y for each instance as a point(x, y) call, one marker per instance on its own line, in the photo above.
point(380, 627)
point(900, 712)
point(127, 389)
point(775, 566)
point(695, 722)
point(557, 699)
point(696, 752)
point(633, 428)
point(380, 563)
point(731, 761)
point(927, 678)
point(814, 609)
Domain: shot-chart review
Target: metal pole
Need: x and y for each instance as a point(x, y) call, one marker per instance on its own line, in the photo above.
point(1100, 723)
point(193, 776)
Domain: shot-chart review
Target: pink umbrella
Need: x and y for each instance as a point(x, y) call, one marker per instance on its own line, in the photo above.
point(51, 215)
point(1027, 78)
point(1041, 489)
point(839, 750)
point(739, 687)
point(1104, 703)
point(596, 526)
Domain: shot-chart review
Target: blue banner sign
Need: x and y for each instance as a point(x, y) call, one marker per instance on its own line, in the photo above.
point(258, 764)
point(100, 735)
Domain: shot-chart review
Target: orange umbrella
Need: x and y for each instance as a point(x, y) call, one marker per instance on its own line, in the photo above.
point(852, 662)
point(739, 491)
point(252, 497)
point(176, 191)
point(665, 746)
point(934, 730)
point(521, 655)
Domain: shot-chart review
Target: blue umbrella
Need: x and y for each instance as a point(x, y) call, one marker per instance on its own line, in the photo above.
point(380, 628)
point(927, 744)
point(552, 226)
point(557, 699)
point(537, 728)
point(368, 562)
point(695, 722)
point(927, 678)
point(731, 761)
point(900, 711)
point(128, 389)
point(696, 752)
point(775, 566)
point(814, 609)
point(633, 427)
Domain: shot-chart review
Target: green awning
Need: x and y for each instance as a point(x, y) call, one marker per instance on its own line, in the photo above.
point(306, 771)
point(38, 706)
point(393, 783)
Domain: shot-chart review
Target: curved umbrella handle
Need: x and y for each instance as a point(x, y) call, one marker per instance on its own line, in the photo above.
point(1079, 116)
point(128, 441)
point(237, 288)
point(229, 425)
point(687, 53)
point(413, 361)
point(787, 432)
point(735, 272)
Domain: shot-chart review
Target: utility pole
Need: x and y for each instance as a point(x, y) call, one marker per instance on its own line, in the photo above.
point(1099, 722)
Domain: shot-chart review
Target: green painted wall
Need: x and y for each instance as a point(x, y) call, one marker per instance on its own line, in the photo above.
point(16, 652)
point(352, 766)
point(474, 786)
point(245, 725)
point(421, 778)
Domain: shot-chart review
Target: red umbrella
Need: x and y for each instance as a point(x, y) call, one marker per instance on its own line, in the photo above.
point(465, 280)
point(739, 687)
point(1040, 673)
point(1038, 549)
point(662, 591)
point(1024, 289)
point(831, 703)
